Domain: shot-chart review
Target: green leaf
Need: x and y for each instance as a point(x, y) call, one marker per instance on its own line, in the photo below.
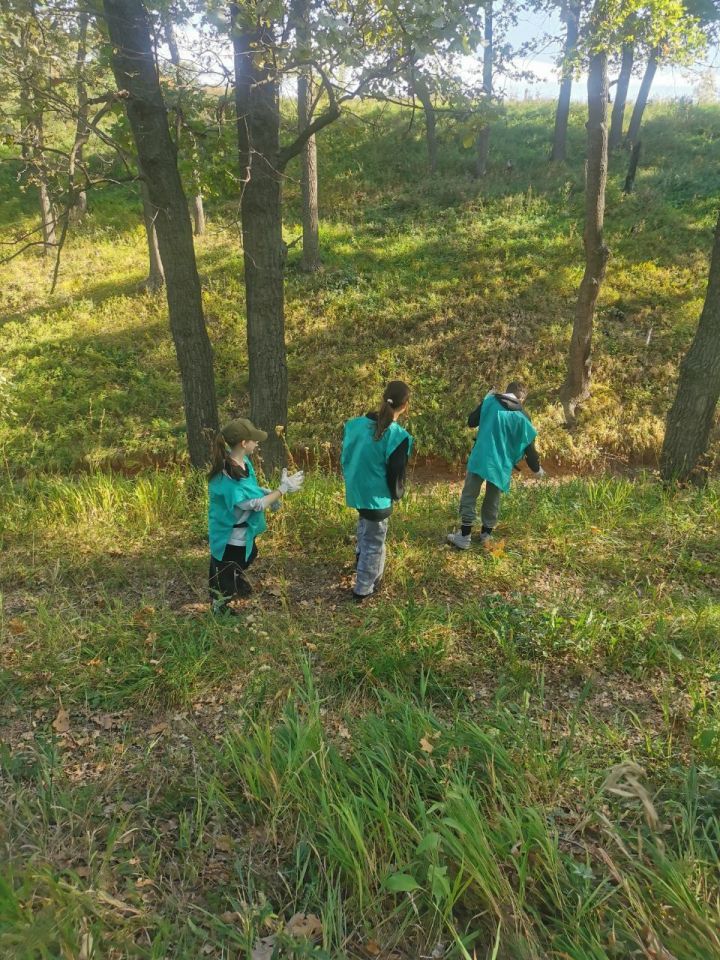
point(431, 841)
point(400, 883)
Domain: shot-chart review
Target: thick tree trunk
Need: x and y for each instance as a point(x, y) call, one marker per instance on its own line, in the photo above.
point(258, 122)
point(156, 276)
point(691, 416)
point(198, 211)
point(576, 387)
point(559, 148)
point(618, 111)
point(133, 64)
point(642, 99)
point(308, 157)
point(79, 207)
point(482, 145)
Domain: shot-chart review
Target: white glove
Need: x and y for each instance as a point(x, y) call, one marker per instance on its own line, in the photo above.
point(540, 473)
point(291, 484)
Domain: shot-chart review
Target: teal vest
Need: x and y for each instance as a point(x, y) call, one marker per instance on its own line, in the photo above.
point(223, 493)
point(502, 438)
point(364, 462)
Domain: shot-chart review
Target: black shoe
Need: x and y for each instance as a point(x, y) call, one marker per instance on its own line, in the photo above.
point(361, 597)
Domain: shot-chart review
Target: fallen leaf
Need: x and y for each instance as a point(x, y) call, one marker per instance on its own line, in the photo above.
point(158, 728)
point(496, 547)
point(373, 948)
point(304, 925)
point(263, 949)
point(144, 882)
point(312, 647)
point(104, 720)
point(61, 723)
point(425, 744)
point(141, 616)
point(344, 732)
point(16, 627)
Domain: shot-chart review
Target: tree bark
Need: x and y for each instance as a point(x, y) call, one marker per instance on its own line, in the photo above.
point(576, 387)
point(618, 111)
point(422, 91)
point(198, 215)
point(642, 99)
point(632, 167)
point(571, 15)
point(482, 146)
point(308, 157)
point(691, 416)
point(133, 64)
point(156, 276)
point(79, 207)
point(197, 203)
point(258, 123)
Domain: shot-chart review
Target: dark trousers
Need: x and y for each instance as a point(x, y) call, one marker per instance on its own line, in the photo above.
point(227, 576)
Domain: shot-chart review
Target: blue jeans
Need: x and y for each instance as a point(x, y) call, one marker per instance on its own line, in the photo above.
point(370, 551)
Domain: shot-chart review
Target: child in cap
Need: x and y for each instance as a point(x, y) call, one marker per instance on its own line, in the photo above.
point(505, 435)
point(375, 453)
point(236, 510)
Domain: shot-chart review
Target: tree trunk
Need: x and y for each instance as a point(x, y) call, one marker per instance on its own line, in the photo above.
point(197, 206)
point(562, 113)
point(691, 416)
point(618, 111)
point(156, 276)
point(482, 145)
point(258, 123)
point(198, 215)
point(308, 157)
point(421, 89)
point(79, 207)
point(632, 167)
point(133, 64)
point(642, 99)
point(576, 387)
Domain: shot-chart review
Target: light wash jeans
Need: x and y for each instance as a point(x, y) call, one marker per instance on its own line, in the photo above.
point(370, 552)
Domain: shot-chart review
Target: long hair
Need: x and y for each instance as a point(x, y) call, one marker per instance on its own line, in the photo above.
point(395, 396)
point(217, 455)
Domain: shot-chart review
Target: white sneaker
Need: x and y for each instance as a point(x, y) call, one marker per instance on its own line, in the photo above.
point(485, 539)
point(457, 540)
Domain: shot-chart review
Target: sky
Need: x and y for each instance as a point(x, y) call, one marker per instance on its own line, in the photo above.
point(669, 84)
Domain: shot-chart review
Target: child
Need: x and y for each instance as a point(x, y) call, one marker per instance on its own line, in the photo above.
point(236, 510)
point(505, 435)
point(375, 453)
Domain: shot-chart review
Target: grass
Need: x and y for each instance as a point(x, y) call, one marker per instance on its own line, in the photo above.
point(452, 284)
point(435, 769)
point(508, 755)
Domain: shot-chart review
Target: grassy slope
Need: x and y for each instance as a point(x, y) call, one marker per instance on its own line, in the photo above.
point(452, 284)
point(432, 769)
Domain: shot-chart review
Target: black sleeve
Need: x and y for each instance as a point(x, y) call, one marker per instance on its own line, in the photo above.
point(474, 417)
point(395, 469)
point(531, 457)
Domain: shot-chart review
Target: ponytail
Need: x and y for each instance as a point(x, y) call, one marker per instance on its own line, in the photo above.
point(217, 455)
point(395, 396)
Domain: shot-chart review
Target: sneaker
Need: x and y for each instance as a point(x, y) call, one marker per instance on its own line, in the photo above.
point(457, 540)
point(485, 539)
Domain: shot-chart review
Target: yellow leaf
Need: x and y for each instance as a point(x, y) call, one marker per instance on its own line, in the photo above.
point(425, 745)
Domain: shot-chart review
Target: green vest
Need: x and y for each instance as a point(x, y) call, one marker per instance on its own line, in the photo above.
point(502, 438)
point(223, 493)
point(364, 462)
